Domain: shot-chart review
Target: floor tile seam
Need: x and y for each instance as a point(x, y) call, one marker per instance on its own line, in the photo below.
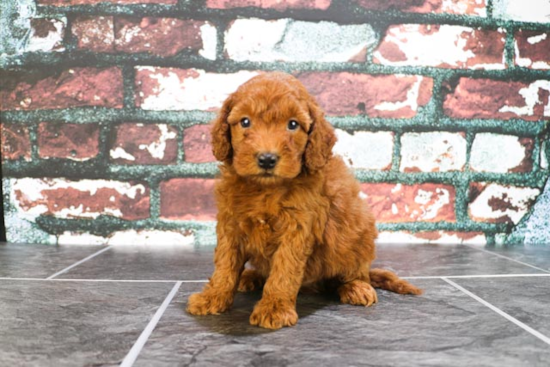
point(107, 280)
point(419, 277)
point(508, 258)
point(134, 352)
point(79, 262)
point(497, 310)
point(477, 276)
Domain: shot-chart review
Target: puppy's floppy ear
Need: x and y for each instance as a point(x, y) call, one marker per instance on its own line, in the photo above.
point(321, 139)
point(221, 133)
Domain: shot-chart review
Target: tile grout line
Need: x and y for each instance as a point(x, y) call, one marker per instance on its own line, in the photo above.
point(110, 280)
point(478, 276)
point(78, 263)
point(206, 280)
point(132, 355)
point(508, 258)
point(529, 329)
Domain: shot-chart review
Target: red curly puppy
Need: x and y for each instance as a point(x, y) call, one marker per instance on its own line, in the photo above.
point(287, 206)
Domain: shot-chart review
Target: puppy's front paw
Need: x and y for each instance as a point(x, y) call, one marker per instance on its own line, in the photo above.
point(273, 314)
point(208, 303)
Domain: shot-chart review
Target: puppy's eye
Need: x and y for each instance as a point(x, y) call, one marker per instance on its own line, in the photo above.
point(292, 125)
point(245, 123)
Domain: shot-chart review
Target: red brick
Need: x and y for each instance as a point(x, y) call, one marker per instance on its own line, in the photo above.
point(485, 98)
point(78, 142)
point(445, 46)
point(270, 4)
point(393, 96)
point(532, 49)
point(197, 144)
point(15, 142)
point(160, 36)
point(70, 88)
point(94, 2)
point(144, 144)
point(81, 199)
point(427, 6)
point(94, 33)
point(187, 199)
point(427, 202)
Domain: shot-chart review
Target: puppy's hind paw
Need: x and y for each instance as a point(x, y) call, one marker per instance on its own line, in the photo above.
point(250, 281)
point(357, 292)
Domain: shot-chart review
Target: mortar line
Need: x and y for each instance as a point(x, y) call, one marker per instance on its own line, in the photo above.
point(508, 258)
point(79, 262)
point(146, 333)
point(479, 276)
point(529, 329)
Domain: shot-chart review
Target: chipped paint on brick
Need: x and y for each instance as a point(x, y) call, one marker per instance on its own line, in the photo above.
point(288, 40)
point(78, 199)
point(410, 203)
point(185, 89)
point(499, 153)
point(365, 150)
point(532, 96)
point(433, 152)
point(270, 4)
point(447, 46)
point(47, 35)
point(158, 148)
point(497, 203)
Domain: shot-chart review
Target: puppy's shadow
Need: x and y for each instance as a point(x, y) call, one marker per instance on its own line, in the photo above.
point(235, 322)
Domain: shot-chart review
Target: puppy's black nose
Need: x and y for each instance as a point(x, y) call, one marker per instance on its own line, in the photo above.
point(267, 160)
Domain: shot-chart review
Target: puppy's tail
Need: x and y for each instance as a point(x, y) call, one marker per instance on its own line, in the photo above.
point(385, 279)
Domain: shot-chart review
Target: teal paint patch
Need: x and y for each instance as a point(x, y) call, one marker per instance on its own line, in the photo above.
point(534, 229)
point(15, 25)
point(18, 228)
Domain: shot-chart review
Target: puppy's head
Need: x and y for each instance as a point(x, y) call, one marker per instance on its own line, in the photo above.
point(271, 129)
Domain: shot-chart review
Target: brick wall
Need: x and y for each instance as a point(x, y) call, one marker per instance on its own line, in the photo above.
point(441, 106)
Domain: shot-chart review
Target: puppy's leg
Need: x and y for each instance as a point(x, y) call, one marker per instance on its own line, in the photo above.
point(357, 290)
point(251, 280)
point(277, 308)
point(217, 296)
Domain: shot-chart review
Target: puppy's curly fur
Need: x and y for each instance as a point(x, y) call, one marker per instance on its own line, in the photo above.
point(299, 222)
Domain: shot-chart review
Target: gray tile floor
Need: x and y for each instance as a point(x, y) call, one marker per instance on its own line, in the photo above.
point(107, 306)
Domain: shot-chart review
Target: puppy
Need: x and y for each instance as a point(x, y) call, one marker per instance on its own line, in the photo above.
point(286, 206)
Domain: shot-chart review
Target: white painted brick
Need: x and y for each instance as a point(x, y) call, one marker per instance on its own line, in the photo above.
point(446, 46)
point(497, 202)
point(129, 237)
point(433, 152)
point(288, 40)
point(438, 237)
point(53, 41)
point(522, 10)
point(496, 153)
point(174, 89)
point(365, 150)
point(209, 41)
